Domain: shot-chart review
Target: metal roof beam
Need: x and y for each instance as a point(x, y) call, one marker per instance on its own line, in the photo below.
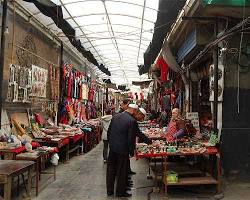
point(142, 20)
point(78, 25)
point(118, 1)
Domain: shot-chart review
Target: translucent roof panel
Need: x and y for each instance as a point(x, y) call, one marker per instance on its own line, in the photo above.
point(117, 32)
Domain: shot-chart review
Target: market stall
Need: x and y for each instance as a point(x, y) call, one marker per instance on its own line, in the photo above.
point(183, 162)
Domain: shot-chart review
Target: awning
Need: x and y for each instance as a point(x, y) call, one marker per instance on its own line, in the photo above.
point(227, 2)
point(169, 58)
point(144, 83)
point(112, 86)
point(55, 12)
point(168, 11)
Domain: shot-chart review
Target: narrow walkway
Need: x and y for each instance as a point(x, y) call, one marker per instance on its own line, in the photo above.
point(83, 178)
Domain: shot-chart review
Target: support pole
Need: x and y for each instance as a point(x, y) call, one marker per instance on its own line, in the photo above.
point(2, 53)
point(61, 72)
point(61, 89)
point(215, 60)
point(102, 102)
point(107, 96)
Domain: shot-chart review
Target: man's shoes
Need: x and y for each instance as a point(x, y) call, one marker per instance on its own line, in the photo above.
point(130, 184)
point(132, 173)
point(124, 195)
point(110, 193)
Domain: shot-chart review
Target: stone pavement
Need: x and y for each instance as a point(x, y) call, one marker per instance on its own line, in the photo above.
point(83, 178)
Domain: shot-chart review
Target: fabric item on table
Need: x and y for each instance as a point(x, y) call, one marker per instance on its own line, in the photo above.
point(40, 119)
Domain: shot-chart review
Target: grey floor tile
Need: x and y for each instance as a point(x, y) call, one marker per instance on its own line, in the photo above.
point(84, 178)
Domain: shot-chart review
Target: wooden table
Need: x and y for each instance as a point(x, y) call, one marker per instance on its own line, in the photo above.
point(10, 169)
point(38, 159)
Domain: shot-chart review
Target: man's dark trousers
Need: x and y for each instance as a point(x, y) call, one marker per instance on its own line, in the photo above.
point(117, 167)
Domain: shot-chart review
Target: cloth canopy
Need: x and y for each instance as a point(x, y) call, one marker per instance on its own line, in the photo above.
point(168, 11)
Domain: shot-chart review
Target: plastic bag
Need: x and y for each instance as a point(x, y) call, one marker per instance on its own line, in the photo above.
point(54, 159)
point(28, 146)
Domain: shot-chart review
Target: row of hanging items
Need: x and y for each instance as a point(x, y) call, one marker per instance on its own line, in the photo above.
point(75, 111)
point(75, 83)
point(19, 86)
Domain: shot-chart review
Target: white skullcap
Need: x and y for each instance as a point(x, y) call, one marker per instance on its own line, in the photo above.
point(133, 106)
point(143, 111)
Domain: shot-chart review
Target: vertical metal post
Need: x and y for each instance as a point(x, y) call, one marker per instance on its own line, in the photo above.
point(102, 101)
point(107, 96)
point(61, 72)
point(189, 92)
point(61, 89)
point(2, 55)
point(215, 60)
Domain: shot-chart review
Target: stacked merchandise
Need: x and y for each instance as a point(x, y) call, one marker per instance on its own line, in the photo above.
point(154, 133)
point(147, 124)
point(185, 146)
point(92, 130)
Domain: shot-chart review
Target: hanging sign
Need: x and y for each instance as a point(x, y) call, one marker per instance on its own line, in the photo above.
point(194, 118)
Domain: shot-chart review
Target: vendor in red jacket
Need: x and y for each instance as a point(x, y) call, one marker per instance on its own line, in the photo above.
point(176, 126)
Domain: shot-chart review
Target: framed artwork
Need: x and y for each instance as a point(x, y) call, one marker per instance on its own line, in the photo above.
point(38, 81)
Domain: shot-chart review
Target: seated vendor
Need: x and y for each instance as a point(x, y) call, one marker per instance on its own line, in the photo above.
point(176, 126)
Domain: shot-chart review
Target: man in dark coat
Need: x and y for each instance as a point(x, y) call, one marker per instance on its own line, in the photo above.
point(122, 134)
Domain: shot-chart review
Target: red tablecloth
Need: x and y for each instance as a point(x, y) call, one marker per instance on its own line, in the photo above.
point(65, 141)
point(209, 151)
point(22, 148)
point(18, 150)
point(76, 138)
point(35, 144)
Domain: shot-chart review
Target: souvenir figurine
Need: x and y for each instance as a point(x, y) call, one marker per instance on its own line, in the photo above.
point(12, 74)
point(15, 93)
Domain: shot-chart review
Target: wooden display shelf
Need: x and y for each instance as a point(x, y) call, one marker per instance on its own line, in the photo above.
point(204, 180)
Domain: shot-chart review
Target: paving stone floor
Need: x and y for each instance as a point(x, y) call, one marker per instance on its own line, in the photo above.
point(83, 178)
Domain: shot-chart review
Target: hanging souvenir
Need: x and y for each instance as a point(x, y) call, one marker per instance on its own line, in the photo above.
point(12, 74)
point(15, 92)
point(39, 81)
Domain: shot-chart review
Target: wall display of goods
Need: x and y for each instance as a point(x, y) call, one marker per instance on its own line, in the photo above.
point(19, 84)
point(39, 81)
point(54, 82)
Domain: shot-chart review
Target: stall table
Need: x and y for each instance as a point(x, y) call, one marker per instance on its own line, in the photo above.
point(10, 169)
point(76, 143)
point(38, 159)
point(10, 153)
point(59, 143)
point(201, 180)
